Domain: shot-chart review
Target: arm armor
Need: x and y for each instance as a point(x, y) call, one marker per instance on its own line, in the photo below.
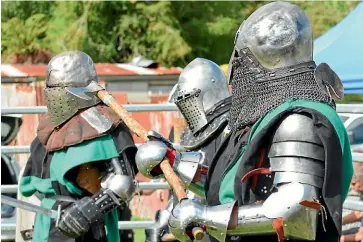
point(186, 164)
point(160, 227)
point(117, 187)
point(120, 179)
point(297, 159)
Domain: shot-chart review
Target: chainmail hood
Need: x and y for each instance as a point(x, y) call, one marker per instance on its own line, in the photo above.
point(257, 90)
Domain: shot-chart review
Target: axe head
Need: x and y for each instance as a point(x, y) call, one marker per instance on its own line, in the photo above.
point(87, 92)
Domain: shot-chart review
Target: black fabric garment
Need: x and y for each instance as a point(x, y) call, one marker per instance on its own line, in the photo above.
point(220, 161)
point(332, 187)
point(210, 148)
point(38, 166)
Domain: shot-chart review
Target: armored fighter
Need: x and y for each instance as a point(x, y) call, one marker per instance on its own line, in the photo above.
point(203, 97)
point(284, 170)
point(82, 161)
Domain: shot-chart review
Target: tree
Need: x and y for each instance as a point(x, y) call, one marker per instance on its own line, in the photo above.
point(22, 41)
point(151, 29)
point(173, 33)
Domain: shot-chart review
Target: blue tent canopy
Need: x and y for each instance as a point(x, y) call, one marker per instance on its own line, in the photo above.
point(342, 48)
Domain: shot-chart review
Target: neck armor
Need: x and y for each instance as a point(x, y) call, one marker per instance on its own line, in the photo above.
point(201, 86)
point(70, 69)
point(217, 121)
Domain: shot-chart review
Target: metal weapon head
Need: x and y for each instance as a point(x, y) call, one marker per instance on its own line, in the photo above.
point(173, 94)
point(86, 93)
point(278, 35)
point(201, 85)
point(70, 70)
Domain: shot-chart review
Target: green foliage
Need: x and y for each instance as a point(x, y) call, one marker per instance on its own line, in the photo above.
point(68, 27)
point(209, 27)
point(23, 36)
point(24, 9)
point(351, 98)
point(172, 33)
point(151, 30)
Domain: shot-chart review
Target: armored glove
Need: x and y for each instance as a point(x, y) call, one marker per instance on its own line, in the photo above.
point(159, 229)
point(76, 219)
point(189, 214)
point(186, 215)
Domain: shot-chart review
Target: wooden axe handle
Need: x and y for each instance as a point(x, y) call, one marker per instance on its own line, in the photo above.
point(174, 181)
point(131, 123)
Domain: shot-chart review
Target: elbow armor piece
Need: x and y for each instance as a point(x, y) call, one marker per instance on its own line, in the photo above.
point(120, 179)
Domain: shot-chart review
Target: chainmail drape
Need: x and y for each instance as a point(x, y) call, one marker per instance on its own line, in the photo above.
point(257, 90)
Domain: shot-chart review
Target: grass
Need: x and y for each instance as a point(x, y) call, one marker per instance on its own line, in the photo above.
point(139, 234)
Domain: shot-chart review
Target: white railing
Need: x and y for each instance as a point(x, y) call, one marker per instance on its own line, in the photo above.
point(8, 230)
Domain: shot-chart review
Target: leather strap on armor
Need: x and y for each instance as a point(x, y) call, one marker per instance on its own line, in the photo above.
point(278, 225)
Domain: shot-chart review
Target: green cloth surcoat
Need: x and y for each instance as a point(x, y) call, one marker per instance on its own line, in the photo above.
point(101, 148)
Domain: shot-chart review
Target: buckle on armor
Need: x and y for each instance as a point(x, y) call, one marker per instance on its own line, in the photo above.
point(27, 234)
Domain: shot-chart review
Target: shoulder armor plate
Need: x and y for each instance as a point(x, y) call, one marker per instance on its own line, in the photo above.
point(296, 127)
point(297, 153)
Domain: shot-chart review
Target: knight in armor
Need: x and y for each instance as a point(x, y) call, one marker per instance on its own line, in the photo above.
point(82, 161)
point(203, 98)
point(283, 171)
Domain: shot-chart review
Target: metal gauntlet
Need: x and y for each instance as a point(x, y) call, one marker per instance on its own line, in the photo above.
point(82, 214)
point(189, 213)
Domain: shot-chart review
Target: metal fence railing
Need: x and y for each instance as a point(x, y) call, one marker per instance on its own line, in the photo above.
point(128, 107)
point(8, 230)
point(341, 108)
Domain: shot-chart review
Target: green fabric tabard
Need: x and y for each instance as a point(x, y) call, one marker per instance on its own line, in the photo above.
point(98, 149)
point(101, 148)
point(227, 185)
point(226, 193)
point(42, 222)
point(30, 184)
point(111, 224)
